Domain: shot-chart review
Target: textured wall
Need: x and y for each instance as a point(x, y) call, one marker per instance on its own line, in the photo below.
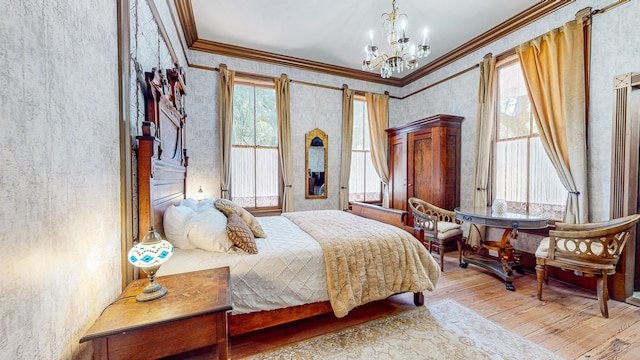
point(59, 174)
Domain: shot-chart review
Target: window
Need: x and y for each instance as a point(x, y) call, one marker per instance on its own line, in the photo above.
point(364, 182)
point(255, 171)
point(523, 173)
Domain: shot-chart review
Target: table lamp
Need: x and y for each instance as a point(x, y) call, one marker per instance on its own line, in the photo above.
point(148, 255)
point(200, 194)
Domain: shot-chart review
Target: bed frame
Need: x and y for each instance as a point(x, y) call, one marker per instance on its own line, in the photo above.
point(162, 171)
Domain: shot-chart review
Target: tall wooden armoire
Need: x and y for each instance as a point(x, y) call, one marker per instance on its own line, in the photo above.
point(424, 162)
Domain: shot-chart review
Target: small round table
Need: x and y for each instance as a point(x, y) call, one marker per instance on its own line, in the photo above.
point(507, 259)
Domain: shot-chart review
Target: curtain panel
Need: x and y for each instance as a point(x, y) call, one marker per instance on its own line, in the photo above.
point(554, 70)
point(378, 110)
point(225, 103)
point(485, 120)
point(347, 146)
point(284, 140)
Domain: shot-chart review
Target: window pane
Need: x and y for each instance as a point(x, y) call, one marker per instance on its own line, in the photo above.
point(364, 182)
point(255, 172)
point(243, 112)
point(548, 195)
point(524, 175)
point(358, 125)
point(372, 183)
point(511, 170)
point(515, 109)
point(365, 127)
point(243, 185)
point(356, 179)
point(267, 189)
point(266, 121)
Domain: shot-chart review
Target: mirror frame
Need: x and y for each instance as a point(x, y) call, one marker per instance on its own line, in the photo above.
point(316, 133)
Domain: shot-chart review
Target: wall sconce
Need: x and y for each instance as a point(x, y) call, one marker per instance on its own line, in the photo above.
point(148, 255)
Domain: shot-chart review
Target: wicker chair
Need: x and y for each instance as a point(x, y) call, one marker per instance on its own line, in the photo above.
point(591, 250)
point(440, 227)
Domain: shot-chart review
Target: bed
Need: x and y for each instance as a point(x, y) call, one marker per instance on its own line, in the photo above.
point(300, 270)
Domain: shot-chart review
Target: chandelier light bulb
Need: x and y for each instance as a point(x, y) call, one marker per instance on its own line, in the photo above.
point(402, 54)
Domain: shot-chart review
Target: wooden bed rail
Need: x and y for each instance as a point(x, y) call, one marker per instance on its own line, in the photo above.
point(395, 217)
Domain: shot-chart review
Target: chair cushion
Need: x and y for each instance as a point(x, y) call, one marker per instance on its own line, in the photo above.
point(543, 248)
point(448, 229)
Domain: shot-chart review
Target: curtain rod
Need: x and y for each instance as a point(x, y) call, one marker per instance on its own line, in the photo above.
point(609, 7)
point(358, 92)
point(266, 77)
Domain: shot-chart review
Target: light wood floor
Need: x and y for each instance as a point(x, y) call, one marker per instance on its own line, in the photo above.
point(567, 322)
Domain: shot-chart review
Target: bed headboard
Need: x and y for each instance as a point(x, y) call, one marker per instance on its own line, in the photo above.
point(162, 156)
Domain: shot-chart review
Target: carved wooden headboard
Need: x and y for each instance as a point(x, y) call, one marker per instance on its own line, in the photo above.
point(162, 157)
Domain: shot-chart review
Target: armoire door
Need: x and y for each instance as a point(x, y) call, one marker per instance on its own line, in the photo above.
point(422, 177)
point(398, 166)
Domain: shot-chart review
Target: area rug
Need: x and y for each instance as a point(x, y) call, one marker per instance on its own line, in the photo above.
point(445, 330)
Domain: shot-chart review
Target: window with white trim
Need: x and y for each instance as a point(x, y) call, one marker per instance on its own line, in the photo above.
point(364, 182)
point(522, 173)
point(255, 165)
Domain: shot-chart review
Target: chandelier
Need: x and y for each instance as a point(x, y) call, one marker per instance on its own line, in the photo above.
point(402, 55)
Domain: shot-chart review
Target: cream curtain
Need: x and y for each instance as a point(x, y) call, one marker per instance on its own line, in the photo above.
point(554, 70)
point(347, 146)
point(225, 102)
point(378, 109)
point(485, 114)
point(284, 140)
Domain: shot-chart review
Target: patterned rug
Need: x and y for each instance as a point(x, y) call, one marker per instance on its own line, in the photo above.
point(445, 330)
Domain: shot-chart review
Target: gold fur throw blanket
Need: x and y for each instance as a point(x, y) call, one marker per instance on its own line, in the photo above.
point(366, 260)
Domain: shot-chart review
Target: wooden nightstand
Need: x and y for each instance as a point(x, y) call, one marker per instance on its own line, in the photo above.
point(192, 315)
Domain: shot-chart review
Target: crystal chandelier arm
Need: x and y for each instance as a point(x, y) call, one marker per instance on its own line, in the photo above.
point(400, 56)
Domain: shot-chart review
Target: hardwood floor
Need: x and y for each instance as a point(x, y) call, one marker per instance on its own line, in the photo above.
point(567, 322)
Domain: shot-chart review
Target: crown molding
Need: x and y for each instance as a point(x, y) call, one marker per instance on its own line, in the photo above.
point(277, 59)
point(185, 14)
point(517, 22)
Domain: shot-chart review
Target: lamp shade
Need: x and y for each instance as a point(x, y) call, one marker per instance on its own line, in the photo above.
point(151, 252)
point(148, 255)
point(200, 194)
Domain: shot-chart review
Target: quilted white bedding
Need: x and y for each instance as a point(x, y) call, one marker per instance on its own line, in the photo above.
point(288, 270)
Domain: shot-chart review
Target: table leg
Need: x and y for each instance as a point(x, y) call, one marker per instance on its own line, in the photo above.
point(506, 256)
point(507, 259)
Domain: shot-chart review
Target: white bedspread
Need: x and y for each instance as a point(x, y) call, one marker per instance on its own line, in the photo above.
point(288, 270)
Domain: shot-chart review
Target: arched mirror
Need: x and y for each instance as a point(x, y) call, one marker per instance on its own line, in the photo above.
point(316, 150)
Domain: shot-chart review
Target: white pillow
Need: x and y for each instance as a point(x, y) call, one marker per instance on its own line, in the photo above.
point(174, 223)
point(207, 230)
point(191, 203)
point(205, 205)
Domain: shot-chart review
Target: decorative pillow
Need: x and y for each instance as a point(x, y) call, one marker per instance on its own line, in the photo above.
point(174, 223)
point(240, 234)
point(207, 230)
point(228, 207)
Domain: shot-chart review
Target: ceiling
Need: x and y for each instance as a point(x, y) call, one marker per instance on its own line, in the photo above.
point(332, 34)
